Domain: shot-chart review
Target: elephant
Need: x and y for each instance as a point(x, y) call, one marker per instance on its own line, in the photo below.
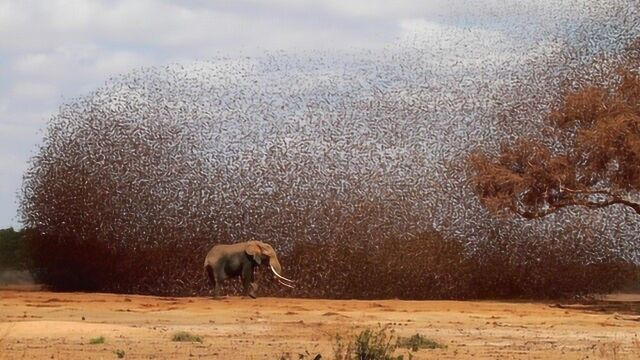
point(231, 260)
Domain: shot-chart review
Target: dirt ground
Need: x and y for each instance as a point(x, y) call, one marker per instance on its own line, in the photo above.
point(38, 324)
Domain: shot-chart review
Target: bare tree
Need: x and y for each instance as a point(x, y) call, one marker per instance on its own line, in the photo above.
point(595, 164)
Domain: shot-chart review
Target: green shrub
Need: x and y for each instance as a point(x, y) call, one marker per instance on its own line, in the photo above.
point(417, 342)
point(368, 345)
point(184, 336)
point(97, 340)
point(303, 356)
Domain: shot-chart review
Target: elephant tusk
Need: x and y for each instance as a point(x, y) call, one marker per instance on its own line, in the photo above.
point(278, 275)
point(287, 285)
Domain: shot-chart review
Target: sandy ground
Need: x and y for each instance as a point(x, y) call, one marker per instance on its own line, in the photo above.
point(37, 324)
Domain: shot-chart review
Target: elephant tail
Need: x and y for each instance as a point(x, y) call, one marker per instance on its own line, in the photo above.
point(209, 271)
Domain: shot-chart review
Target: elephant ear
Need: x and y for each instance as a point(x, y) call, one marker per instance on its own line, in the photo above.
point(267, 250)
point(254, 250)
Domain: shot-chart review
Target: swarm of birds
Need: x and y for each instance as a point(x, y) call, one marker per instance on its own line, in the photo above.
point(329, 148)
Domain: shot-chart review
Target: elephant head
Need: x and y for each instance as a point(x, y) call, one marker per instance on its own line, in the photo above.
point(263, 253)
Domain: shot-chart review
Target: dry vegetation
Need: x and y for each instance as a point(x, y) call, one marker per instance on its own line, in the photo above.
point(357, 176)
point(598, 166)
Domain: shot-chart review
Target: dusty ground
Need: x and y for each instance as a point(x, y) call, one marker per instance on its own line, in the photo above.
point(36, 324)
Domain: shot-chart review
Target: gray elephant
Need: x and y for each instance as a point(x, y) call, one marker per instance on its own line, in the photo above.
point(226, 261)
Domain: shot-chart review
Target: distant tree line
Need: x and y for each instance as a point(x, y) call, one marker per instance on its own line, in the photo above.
point(13, 250)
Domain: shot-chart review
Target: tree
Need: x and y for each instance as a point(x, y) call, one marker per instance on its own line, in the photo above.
point(12, 249)
point(593, 161)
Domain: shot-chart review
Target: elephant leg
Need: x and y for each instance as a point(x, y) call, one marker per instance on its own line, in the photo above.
point(248, 282)
point(211, 275)
point(216, 289)
point(219, 276)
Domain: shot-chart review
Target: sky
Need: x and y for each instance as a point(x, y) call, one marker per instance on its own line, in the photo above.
point(54, 51)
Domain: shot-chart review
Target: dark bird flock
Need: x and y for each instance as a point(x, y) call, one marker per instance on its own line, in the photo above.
point(324, 148)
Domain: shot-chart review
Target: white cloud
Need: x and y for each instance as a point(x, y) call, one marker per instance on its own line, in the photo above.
point(77, 62)
point(116, 62)
point(31, 91)
point(150, 23)
point(10, 164)
point(383, 8)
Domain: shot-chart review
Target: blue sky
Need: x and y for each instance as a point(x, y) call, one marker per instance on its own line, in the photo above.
point(53, 51)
